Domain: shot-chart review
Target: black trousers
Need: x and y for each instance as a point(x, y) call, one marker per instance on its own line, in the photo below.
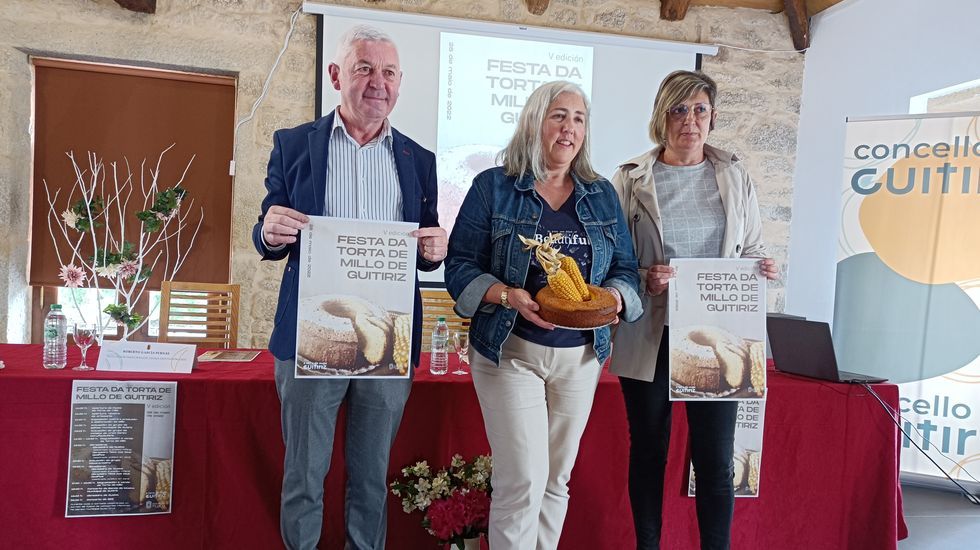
point(711, 425)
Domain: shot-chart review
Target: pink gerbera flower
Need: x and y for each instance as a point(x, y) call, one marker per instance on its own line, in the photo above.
point(129, 269)
point(72, 275)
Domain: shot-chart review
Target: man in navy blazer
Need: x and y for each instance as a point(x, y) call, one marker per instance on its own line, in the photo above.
point(311, 170)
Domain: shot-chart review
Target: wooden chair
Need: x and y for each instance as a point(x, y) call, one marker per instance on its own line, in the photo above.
point(199, 313)
point(437, 303)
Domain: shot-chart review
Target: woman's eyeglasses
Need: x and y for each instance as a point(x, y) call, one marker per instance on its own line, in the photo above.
point(679, 112)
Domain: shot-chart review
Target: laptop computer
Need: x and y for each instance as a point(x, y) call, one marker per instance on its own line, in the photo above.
point(806, 348)
point(782, 315)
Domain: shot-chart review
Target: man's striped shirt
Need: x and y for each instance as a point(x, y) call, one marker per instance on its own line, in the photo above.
point(362, 181)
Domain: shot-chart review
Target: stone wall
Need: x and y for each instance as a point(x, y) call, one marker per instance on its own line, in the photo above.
point(758, 105)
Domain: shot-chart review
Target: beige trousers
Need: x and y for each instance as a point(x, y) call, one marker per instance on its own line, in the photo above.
point(535, 406)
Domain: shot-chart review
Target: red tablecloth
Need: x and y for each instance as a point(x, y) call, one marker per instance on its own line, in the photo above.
point(829, 469)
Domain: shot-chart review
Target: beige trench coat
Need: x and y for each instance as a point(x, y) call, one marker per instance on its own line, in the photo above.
point(635, 344)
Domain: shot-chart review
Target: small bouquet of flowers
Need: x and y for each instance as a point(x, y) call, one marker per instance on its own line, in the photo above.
point(455, 500)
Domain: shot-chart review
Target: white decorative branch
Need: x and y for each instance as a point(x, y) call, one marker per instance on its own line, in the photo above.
point(127, 272)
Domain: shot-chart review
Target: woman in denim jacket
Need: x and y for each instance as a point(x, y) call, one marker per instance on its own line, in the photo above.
point(536, 381)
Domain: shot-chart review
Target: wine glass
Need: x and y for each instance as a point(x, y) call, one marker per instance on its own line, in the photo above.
point(84, 335)
point(461, 341)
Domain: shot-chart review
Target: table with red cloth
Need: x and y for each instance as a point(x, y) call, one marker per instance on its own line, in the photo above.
point(829, 467)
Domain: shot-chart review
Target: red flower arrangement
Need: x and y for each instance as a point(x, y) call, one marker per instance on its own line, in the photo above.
point(464, 514)
point(455, 500)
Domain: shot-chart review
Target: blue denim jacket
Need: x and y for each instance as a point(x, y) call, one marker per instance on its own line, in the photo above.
point(484, 249)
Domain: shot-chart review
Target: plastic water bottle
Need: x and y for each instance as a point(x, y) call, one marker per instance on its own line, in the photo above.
point(55, 339)
point(439, 350)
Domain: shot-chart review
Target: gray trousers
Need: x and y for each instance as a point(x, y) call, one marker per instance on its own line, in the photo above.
point(309, 418)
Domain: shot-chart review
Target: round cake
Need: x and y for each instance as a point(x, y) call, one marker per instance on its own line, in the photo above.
point(710, 359)
point(344, 332)
point(599, 310)
point(695, 366)
point(371, 323)
point(327, 338)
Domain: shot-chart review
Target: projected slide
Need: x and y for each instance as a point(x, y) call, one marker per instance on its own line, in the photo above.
point(483, 85)
point(465, 82)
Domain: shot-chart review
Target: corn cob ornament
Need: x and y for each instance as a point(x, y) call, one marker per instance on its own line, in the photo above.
point(562, 284)
point(569, 266)
point(403, 344)
point(564, 277)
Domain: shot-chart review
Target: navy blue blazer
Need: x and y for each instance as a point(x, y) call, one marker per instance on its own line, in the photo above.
point(297, 178)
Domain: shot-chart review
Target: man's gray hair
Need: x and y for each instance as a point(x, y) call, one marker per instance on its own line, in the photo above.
point(358, 33)
point(525, 151)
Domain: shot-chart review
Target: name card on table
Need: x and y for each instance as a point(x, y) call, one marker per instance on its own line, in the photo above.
point(146, 357)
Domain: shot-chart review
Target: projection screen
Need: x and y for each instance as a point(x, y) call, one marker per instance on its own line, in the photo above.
point(464, 83)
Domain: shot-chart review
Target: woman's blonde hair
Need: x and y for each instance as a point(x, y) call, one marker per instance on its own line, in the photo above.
point(675, 89)
point(525, 153)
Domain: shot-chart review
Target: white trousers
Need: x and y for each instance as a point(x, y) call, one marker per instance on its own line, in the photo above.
point(535, 406)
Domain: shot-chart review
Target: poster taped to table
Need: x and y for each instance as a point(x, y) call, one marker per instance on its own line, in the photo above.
point(748, 449)
point(356, 299)
point(717, 320)
point(121, 448)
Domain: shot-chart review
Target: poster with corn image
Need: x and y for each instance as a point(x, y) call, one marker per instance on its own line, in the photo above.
point(121, 448)
point(747, 458)
point(356, 298)
point(717, 319)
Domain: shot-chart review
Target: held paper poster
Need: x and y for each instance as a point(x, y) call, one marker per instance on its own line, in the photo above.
point(717, 320)
point(121, 448)
point(356, 298)
point(748, 449)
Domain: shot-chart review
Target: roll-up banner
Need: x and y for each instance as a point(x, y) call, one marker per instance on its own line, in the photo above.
point(908, 277)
